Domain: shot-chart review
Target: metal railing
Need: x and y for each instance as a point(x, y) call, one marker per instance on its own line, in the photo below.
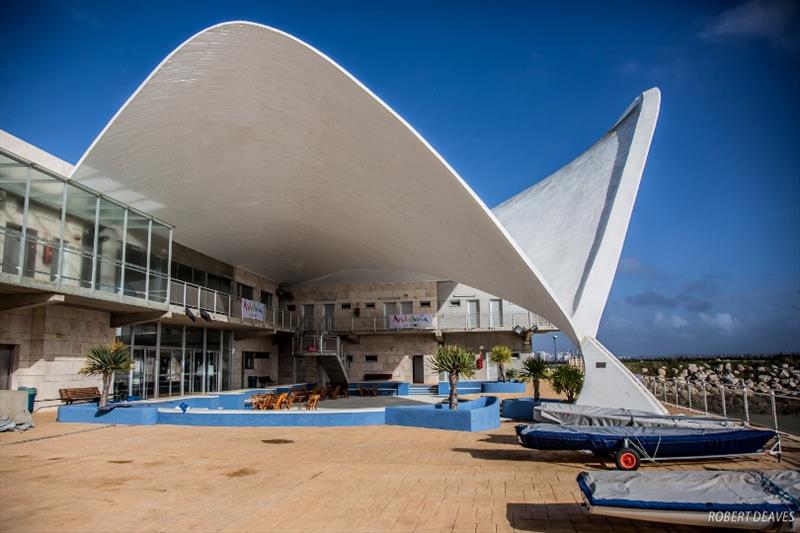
point(326, 345)
point(196, 297)
point(441, 321)
point(778, 411)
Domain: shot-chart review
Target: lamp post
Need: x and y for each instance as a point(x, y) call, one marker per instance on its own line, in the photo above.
point(555, 353)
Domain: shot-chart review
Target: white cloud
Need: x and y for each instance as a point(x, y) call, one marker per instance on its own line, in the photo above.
point(671, 321)
point(724, 322)
point(773, 20)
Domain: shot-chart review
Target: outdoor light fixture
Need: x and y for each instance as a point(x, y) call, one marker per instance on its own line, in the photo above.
point(190, 315)
point(205, 315)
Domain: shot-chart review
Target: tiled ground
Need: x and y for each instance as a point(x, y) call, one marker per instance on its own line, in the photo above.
point(65, 478)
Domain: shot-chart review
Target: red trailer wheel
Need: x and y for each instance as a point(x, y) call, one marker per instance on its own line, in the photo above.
point(627, 459)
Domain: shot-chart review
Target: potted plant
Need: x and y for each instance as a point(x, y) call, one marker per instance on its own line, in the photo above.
point(501, 356)
point(568, 380)
point(457, 361)
point(534, 370)
point(105, 359)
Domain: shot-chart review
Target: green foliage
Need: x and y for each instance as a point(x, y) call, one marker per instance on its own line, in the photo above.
point(457, 361)
point(501, 356)
point(105, 359)
point(568, 380)
point(512, 374)
point(534, 370)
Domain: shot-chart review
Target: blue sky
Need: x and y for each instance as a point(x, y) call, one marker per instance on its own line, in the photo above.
point(508, 92)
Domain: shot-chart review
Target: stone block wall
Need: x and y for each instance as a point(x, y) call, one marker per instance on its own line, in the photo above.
point(395, 354)
point(262, 367)
point(51, 343)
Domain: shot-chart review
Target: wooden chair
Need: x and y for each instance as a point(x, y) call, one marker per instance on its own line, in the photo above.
point(313, 401)
point(289, 401)
point(278, 401)
point(261, 402)
point(333, 394)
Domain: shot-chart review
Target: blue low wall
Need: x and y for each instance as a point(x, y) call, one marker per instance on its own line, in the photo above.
point(273, 418)
point(385, 388)
point(521, 408)
point(478, 387)
point(227, 409)
point(475, 415)
point(503, 387)
point(87, 413)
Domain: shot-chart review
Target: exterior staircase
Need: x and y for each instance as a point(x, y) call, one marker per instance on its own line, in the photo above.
point(423, 390)
point(330, 354)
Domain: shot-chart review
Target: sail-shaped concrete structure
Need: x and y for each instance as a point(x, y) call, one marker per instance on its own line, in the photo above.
point(247, 130)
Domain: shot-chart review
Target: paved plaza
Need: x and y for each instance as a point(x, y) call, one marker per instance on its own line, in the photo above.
point(70, 477)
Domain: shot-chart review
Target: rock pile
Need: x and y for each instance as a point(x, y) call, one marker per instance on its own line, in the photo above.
point(783, 378)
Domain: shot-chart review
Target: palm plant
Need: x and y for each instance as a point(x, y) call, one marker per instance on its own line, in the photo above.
point(501, 356)
point(512, 374)
point(457, 361)
point(534, 370)
point(568, 379)
point(105, 359)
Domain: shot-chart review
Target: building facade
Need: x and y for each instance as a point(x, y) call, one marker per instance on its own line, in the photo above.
point(92, 269)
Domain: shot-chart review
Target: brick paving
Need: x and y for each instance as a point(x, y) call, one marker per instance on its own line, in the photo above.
point(70, 477)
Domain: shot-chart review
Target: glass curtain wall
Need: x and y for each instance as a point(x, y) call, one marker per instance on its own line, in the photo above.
point(174, 361)
point(59, 232)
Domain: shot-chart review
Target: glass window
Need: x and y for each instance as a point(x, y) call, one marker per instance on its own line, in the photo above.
point(245, 291)
point(44, 227)
point(78, 237)
point(159, 262)
point(136, 255)
point(266, 298)
point(109, 246)
point(13, 182)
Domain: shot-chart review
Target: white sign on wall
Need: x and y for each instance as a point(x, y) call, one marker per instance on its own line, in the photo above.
point(420, 321)
point(253, 310)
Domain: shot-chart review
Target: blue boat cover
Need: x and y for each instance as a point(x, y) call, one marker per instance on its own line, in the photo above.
point(776, 491)
point(656, 442)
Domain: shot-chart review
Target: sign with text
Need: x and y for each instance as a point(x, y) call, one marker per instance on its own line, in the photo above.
point(420, 321)
point(253, 310)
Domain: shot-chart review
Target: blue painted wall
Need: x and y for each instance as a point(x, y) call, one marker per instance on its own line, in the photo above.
point(521, 408)
point(478, 387)
point(476, 415)
point(267, 418)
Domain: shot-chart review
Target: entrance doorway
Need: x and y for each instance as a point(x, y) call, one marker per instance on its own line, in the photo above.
point(418, 363)
point(6, 357)
point(473, 314)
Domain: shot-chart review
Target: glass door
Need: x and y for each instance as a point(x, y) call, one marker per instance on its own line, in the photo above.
point(212, 367)
point(495, 313)
point(473, 314)
point(144, 367)
point(169, 373)
point(197, 371)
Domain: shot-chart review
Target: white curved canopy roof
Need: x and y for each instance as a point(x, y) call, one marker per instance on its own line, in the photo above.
point(266, 154)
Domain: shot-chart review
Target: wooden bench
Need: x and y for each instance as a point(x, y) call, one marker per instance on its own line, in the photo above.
point(377, 377)
point(83, 394)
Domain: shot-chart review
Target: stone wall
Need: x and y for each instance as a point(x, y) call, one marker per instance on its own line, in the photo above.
point(262, 367)
point(51, 342)
point(395, 355)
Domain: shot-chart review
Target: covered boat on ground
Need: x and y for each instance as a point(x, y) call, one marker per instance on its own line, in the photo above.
point(630, 445)
point(768, 500)
point(585, 415)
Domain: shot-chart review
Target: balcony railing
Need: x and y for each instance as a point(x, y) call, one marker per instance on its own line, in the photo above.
point(429, 322)
point(194, 296)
